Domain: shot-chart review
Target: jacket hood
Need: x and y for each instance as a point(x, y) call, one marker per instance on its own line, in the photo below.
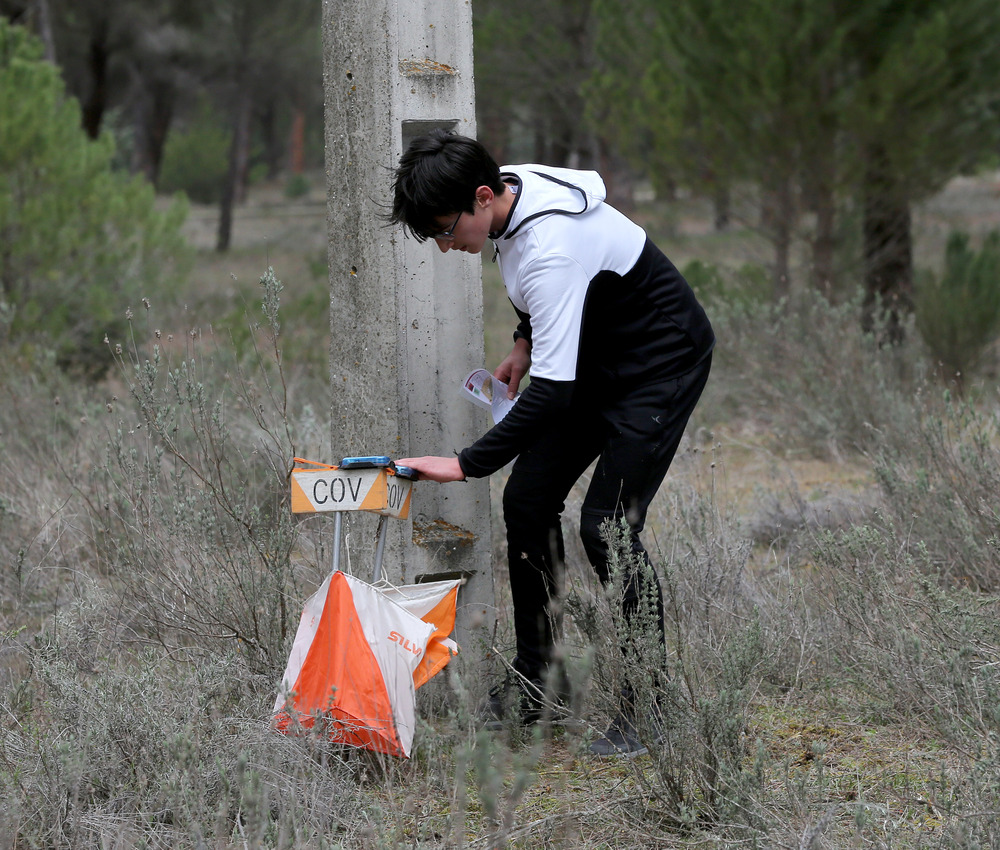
point(545, 191)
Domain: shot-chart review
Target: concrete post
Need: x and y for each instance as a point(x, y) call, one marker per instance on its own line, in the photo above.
point(405, 321)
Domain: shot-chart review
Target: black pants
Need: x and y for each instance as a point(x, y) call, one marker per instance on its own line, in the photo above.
point(634, 441)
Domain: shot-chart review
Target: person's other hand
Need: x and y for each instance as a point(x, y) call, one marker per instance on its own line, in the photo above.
point(440, 469)
point(514, 366)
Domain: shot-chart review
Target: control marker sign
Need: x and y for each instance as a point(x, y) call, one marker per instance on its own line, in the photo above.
point(375, 490)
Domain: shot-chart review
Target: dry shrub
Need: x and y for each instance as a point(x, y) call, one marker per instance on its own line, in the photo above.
point(45, 464)
point(138, 715)
point(805, 372)
point(158, 749)
point(922, 654)
point(692, 705)
point(940, 482)
point(196, 524)
point(920, 650)
point(137, 702)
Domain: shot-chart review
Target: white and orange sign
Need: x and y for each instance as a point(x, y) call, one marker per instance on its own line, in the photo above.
point(359, 655)
point(375, 490)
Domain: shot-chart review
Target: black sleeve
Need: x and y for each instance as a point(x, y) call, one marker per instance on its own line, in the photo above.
point(536, 409)
point(523, 330)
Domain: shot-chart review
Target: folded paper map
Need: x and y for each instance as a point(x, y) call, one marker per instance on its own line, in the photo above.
point(489, 393)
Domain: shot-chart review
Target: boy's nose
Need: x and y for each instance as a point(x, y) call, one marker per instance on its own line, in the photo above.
point(444, 244)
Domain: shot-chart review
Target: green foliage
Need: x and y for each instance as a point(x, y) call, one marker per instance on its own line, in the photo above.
point(79, 243)
point(958, 314)
point(718, 93)
point(749, 284)
point(518, 44)
point(804, 101)
point(297, 186)
point(923, 84)
point(195, 159)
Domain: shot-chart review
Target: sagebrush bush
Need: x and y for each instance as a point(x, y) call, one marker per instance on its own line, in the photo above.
point(46, 463)
point(923, 655)
point(151, 578)
point(195, 518)
point(158, 748)
point(692, 697)
point(940, 481)
point(925, 652)
point(137, 693)
point(807, 374)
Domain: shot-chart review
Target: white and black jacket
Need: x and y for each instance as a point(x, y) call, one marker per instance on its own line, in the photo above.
point(604, 310)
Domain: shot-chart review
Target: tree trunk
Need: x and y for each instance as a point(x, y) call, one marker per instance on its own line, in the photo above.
point(777, 219)
point(96, 102)
point(268, 123)
point(559, 147)
point(297, 141)
point(45, 29)
point(154, 113)
point(6, 272)
point(494, 128)
point(239, 157)
point(824, 240)
point(722, 201)
point(617, 179)
point(887, 246)
point(819, 181)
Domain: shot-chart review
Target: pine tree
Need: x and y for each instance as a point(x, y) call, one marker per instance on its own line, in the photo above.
point(810, 102)
point(79, 242)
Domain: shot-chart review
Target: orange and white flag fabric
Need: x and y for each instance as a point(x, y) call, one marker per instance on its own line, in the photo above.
point(433, 602)
point(356, 658)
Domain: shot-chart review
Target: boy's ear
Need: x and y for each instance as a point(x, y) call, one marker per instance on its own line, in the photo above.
point(484, 196)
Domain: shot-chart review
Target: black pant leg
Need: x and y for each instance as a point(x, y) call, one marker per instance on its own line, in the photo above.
point(633, 455)
point(633, 463)
point(533, 503)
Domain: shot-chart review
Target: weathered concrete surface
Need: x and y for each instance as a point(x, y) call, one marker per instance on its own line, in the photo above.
point(406, 321)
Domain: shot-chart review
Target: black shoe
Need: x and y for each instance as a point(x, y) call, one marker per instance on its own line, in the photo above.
point(515, 701)
point(620, 741)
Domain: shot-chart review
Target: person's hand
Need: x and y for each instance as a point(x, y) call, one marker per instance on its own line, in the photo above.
point(441, 469)
point(514, 366)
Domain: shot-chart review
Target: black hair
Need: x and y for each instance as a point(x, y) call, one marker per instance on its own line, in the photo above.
point(437, 177)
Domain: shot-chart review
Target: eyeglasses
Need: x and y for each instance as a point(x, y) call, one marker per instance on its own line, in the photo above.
point(449, 234)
